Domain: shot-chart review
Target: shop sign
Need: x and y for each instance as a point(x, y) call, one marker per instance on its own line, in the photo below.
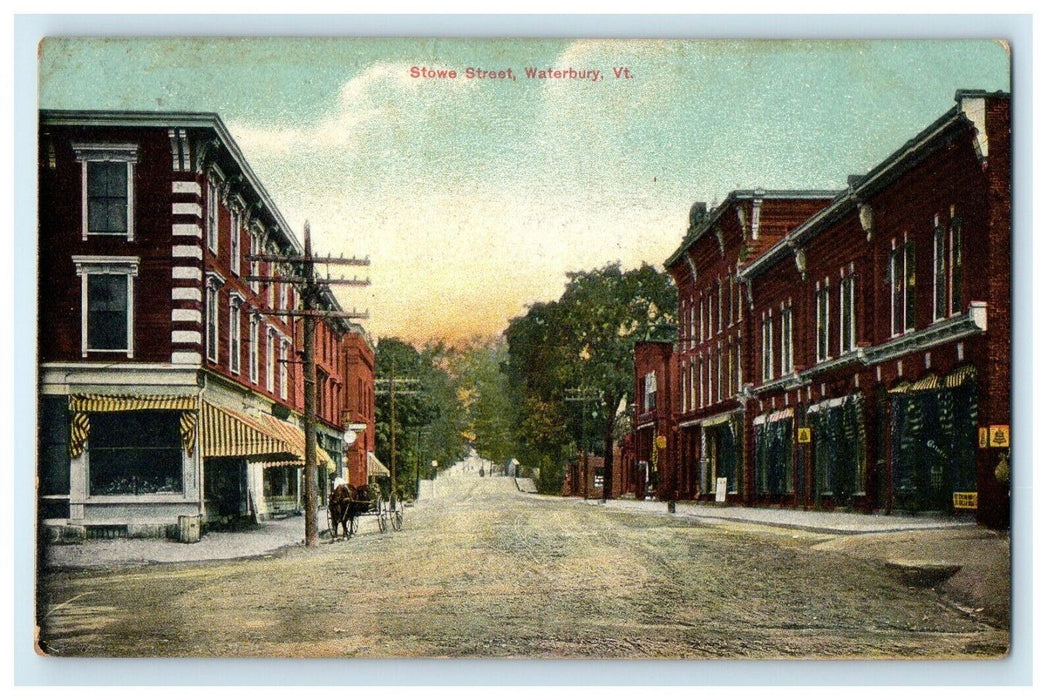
point(999, 436)
point(598, 480)
point(982, 437)
point(804, 435)
point(660, 442)
point(722, 490)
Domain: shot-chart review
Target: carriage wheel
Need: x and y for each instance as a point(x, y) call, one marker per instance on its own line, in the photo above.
point(382, 516)
point(396, 515)
point(354, 523)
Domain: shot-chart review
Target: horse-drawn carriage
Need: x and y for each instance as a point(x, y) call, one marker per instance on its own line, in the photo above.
point(348, 504)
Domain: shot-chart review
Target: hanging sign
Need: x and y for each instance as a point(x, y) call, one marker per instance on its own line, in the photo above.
point(661, 442)
point(722, 490)
point(804, 435)
point(982, 437)
point(999, 436)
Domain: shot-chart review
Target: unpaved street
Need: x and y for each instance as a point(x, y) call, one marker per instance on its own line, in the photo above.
point(483, 570)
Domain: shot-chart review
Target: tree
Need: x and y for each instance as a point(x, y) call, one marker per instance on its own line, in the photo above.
point(584, 341)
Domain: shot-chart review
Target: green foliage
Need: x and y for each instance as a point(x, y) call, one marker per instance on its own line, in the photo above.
point(583, 341)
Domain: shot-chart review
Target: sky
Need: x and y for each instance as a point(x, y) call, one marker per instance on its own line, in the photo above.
point(474, 197)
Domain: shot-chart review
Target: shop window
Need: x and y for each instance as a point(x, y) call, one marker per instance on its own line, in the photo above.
point(838, 457)
point(135, 453)
point(773, 457)
point(53, 446)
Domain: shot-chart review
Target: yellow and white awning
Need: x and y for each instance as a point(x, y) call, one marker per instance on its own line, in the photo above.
point(293, 435)
point(374, 466)
point(227, 433)
point(80, 405)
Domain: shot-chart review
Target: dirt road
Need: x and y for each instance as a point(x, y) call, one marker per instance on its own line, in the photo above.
point(483, 570)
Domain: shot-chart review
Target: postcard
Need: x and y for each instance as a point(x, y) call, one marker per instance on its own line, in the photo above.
point(529, 349)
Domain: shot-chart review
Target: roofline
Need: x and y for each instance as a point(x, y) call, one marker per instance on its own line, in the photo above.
point(200, 120)
point(740, 195)
point(917, 146)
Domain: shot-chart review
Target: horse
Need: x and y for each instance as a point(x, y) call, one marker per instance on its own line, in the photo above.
point(344, 504)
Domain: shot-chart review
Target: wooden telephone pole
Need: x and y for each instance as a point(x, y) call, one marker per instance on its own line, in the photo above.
point(405, 384)
point(312, 307)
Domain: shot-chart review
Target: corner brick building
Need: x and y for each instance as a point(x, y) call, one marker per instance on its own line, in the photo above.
point(170, 381)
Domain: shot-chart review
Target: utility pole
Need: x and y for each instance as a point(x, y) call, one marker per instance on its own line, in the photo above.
point(312, 291)
point(583, 396)
point(393, 382)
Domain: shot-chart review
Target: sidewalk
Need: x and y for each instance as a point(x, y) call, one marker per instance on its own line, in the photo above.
point(809, 520)
point(262, 539)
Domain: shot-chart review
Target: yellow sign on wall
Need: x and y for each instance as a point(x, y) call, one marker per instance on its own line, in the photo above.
point(804, 435)
point(982, 437)
point(999, 435)
point(661, 442)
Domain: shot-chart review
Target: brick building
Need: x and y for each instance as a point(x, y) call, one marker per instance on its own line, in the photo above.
point(874, 367)
point(170, 381)
point(357, 355)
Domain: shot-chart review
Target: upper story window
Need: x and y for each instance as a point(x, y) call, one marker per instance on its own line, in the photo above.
point(236, 242)
point(254, 347)
point(823, 307)
point(691, 326)
point(107, 176)
point(106, 303)
point(212, 229)
point(720, 306)
point(766, 346)
point(787, 338)
point(212, 316)
point(902, 287)
point(651, 391)
point(254, 265)
point(847, 299)
point(271, 336)
point(283, 369)
point(731, 298)
point(947, 267)
point(235, 335)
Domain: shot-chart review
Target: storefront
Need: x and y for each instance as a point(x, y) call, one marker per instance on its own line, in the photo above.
point(836, 428)
point(774, 473)
point(722, 449)
point(933, 424)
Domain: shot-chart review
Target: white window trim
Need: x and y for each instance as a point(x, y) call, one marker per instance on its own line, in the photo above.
point(212, 215)
point(234, 340)
point(236, 242)
point(127, 153)
point(851, 279)
point(786, 339)
point(271, 335)
point(87, 265)
point(823, 351)
point(283, 367)
point(213, 282)
point(254, 347)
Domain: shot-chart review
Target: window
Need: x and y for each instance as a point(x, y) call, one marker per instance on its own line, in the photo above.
point(739, 364)
point(731, 298)
point(955, 263)
point(236, 243)
point(235, 349)
point(212, 316)
point(107, 177)
point(717, 380)
point(732, 348)
point(720, 306)
point(135, 453)
point(212, 233)
point(106, 302)
point(651, 391)
point(766, 346)
point(787, 338)
point(283, 297)
point(823, 305)
point(847, 298)
point(692, 382)
point(709, 315)
point(691, 338)
point(684, 389)
point(254, 265)
point(283, 370)
point(270, 359)
point(902, 288)
point(709, 376)
point(254, 348)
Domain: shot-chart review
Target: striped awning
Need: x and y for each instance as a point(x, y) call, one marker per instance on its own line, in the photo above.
point(960, 376)
point(80, 405)
point(374, 466)
point(228, 433)
point(930, 381)
point(294, 436)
